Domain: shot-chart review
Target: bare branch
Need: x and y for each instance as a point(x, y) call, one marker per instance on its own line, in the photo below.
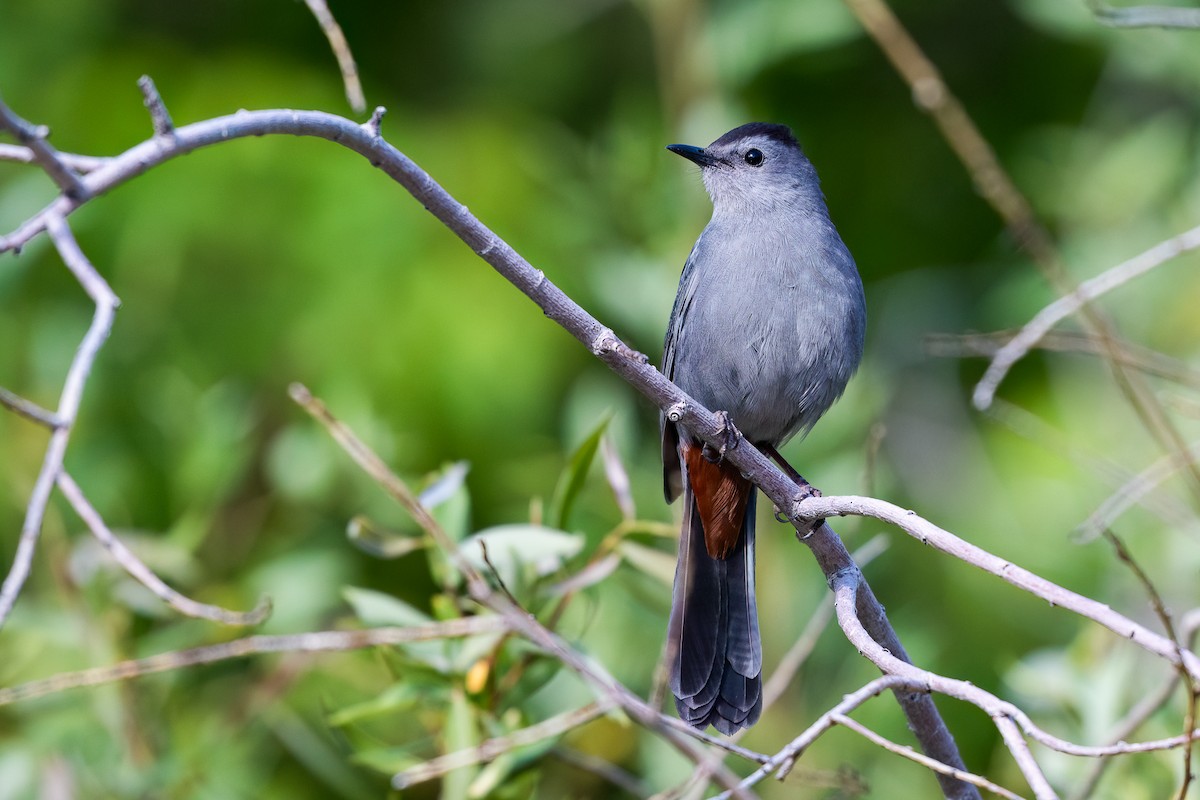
point(1018, 347)
point(143, 574)
point(34, 138)
point(23, 155)
point(1145, 16)
point(68, 404)
point(30, 410)
point(318, 642)
point(928, 533)
point(923, 760)
point(341, 49)
point(785, 758)
point(1137, 716)
point(1130, 354)
point(847, 588)
point(1172, 511)
point(160, 118)
point(492, 748)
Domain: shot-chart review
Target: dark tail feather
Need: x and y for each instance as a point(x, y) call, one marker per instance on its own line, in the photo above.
point(716, 666)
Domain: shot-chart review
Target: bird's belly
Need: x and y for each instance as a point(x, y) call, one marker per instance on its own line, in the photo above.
point(773, 379)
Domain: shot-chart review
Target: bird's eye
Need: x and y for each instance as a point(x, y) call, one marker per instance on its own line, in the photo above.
point(754, 157)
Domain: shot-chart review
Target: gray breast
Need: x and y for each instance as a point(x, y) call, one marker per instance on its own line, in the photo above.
point(771, 332)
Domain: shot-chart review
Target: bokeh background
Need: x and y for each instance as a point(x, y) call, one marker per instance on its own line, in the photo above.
point(248, 266)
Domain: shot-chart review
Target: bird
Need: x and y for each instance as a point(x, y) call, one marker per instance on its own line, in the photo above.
point(767, 328)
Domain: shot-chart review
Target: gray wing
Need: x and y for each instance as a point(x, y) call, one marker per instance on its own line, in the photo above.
point(672, 474)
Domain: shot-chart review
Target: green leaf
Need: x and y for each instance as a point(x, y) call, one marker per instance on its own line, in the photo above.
point(512, 548)
point(396, 697)
point(571, 481)
point(377, 609)
point(447, 498)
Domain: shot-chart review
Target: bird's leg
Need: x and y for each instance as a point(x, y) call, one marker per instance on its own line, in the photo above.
point(804, 488)
point(729, 434)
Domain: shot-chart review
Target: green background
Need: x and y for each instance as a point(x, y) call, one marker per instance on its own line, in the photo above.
point(244, 267)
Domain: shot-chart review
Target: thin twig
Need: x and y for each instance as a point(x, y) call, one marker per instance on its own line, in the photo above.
point(160, 118)
point(1189, 624)
point(799, 652)
point(1018, 347)
point(1164, 616)
point(320, 641)
point(1131, 493)
point(788, 755)
point(1146, 16)
point(23, 155)
point(926, 532)
point(68, 405)
point(28, 409)
point(923, 760)
point(847, 588)
point(34, 138)
point(143, 574)
point(597, 766)
point(341, 49)
point(1038, 431)
point(1131, 354)
point(492, 748)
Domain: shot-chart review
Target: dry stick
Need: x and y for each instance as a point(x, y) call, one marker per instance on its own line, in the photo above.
point(785, 758)
point(23, 155)
point(68, 404)
point(1019, 346)
point(28, 409)
point(34, 138)
point(492, 748)
point(606, 770)
point(1164, 616)
point(143, 574)
point(932, 95)
point(1146, 16)
point(925, 761)
point(519, 620)
point(341, 49)
point(160, 118)
point(927, 533)
point(849, 590)
point(1131, 354)
point(316, 642)
point(1189, 624)
point(1131, 493)
point(1032, 427)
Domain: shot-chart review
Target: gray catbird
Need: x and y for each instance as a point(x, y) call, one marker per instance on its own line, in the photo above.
point(768, 327)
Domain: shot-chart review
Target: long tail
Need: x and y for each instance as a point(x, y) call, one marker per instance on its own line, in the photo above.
point(716, 668)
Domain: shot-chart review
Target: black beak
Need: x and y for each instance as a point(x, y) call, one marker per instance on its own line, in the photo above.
point(694, 154)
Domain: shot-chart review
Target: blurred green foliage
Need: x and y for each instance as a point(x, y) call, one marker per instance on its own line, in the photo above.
point(247, 266)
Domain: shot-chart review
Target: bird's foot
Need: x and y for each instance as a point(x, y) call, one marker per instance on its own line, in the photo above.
point(804, 491)
point(730, 436)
